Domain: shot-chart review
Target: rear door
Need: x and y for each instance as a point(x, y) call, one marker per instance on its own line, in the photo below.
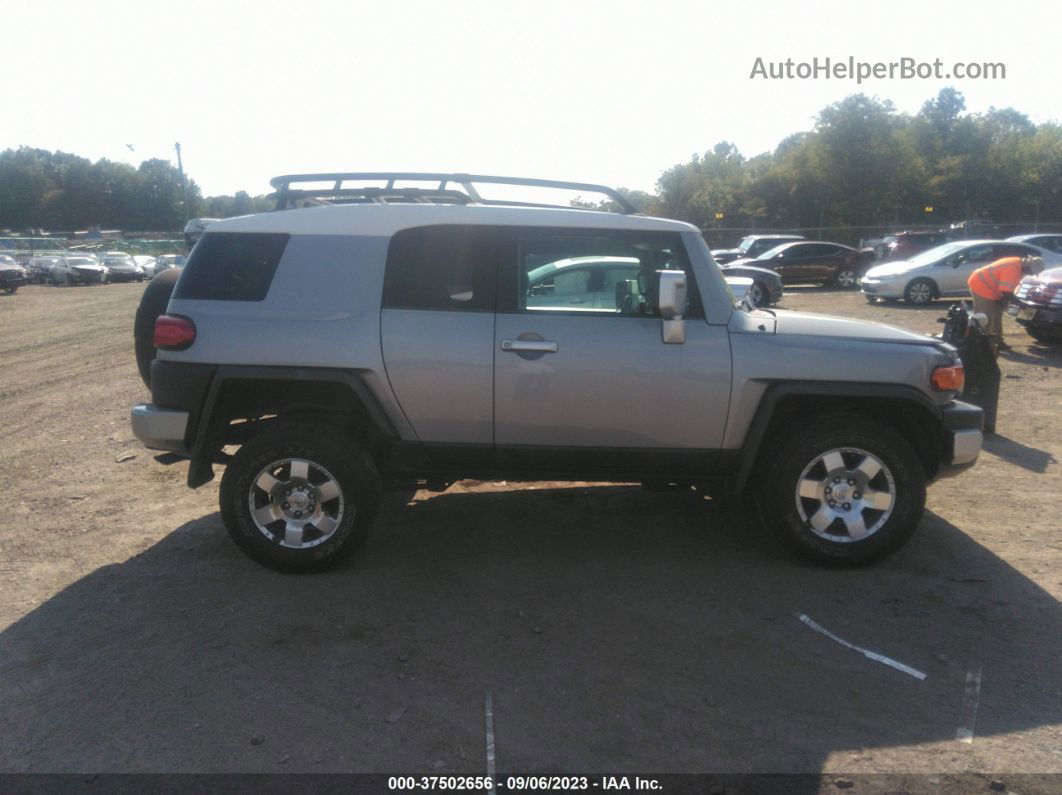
point(437, 332)
point(593, 388)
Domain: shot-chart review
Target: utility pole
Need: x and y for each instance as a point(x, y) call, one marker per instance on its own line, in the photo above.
point(184, 185)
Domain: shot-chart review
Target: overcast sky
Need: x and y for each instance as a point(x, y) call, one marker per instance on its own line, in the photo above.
point(611, 92)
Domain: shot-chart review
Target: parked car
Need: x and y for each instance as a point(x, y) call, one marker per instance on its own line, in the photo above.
point(40, 268)
point(751, 246)
point(81, 269)
point(1037, 306)
point(146, 263)
point(122, 267)
point(166, 261)
point(813, 261)
point(766, 288)
point(904, 245)
point(193, 230)
point(1050, 241)
point(352, 348)
point(943, 271)
point(12, 276)
point(977, 229)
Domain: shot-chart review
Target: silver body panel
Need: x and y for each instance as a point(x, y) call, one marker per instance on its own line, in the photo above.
point(612, 382)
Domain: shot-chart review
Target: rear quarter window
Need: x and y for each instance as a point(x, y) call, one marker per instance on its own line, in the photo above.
point(232, 266)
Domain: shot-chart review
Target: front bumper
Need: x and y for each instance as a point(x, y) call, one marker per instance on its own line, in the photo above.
point(963, 437)
point(1027, 313)
point(890, 289)
point(160, 429)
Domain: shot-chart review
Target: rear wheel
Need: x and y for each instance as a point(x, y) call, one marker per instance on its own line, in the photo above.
point(920, 291)
point(846, 278)
point(300, 497)
point(844, 490)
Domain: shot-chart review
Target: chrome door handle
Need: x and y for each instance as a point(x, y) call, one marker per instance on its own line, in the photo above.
point(533, 346)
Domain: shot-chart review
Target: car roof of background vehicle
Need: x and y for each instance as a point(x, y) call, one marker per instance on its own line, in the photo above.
point(1032, 236)
point(384, 220)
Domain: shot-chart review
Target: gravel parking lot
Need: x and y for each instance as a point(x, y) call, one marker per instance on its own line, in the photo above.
point(615, 630)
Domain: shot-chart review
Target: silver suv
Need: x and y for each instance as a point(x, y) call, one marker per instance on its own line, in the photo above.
point(364, 338)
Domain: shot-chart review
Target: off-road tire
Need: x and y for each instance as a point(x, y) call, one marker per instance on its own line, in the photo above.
point(152, 304)
point(800, 448)
point(348, 463)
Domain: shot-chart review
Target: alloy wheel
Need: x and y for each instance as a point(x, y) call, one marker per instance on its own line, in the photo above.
point(296, 503)
point(845, 495)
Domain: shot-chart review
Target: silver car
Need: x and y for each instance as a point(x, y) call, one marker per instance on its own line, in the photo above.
point(943, 271)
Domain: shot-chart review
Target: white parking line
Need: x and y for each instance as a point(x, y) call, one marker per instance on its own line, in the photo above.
point(971, 697)
point(872, 655)
point(488, 710)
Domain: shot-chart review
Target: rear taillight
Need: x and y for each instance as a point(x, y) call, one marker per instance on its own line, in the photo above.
point(174, 333)
point(949, 379)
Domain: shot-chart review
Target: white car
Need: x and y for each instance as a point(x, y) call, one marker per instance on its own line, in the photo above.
point(146, 264)
point(943, 271)
point(80, 269)
point(1052, 241)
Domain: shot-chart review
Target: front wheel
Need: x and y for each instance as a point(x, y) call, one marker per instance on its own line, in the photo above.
point(920, 291)
point(844, 490)
point(300, 497)
point(758, 294)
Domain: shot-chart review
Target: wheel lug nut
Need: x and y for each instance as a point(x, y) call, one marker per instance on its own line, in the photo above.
point(832, 504)
point(847, 506)
point(836, 480)
point(851, 482)
point(856, 495)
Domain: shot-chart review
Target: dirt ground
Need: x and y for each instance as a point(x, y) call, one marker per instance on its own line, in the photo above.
point(614, 630)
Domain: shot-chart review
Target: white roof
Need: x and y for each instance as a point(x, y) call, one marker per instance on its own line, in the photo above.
point(385, 219)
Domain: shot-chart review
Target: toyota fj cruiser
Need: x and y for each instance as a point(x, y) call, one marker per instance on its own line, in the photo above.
point(368, 338)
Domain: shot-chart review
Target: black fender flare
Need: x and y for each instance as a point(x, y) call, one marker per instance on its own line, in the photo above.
point(201, 468)
point(777, 391)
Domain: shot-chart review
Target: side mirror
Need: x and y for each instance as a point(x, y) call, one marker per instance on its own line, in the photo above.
point(672, 303)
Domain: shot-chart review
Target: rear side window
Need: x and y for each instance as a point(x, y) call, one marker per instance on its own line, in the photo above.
point(445, 267)
point(232, 266)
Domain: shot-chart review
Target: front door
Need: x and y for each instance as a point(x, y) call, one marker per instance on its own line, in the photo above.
point(590, 386)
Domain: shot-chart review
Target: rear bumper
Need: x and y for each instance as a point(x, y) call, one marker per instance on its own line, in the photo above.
point(160, 429)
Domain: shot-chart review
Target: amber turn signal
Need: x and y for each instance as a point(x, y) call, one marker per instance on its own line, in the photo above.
point(949, 379)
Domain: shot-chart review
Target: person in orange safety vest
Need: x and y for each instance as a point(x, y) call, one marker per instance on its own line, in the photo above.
point(993, 284)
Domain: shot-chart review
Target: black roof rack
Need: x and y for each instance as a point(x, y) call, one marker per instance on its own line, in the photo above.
point(287, 195)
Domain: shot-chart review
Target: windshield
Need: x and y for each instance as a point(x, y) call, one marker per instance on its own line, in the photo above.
point(933, 254)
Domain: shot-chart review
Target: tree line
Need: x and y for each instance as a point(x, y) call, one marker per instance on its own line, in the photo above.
point(862, 164)
point(865, 164)
point(61, 191)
